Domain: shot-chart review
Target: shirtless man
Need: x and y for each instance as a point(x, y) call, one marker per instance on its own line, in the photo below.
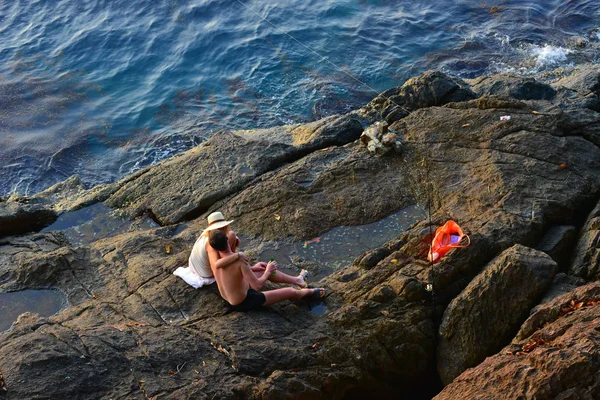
point(239, 285)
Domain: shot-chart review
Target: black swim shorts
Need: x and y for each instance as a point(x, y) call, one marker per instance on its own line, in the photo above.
point(253, 300)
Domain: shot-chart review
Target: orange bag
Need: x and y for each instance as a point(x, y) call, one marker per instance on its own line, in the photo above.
point(446, 238)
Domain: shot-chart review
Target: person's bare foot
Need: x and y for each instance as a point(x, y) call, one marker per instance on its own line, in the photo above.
point(301, 279)
point(314, 294)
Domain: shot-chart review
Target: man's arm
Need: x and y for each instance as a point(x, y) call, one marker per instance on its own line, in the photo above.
point(227, 260)
point(213, 257)
point(256, 283)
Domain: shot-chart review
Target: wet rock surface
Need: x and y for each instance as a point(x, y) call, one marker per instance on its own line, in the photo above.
point(134, 330)
point(185, 186)
point(514, 87)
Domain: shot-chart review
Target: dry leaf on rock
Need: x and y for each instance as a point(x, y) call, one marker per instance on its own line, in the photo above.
point(315, 240)
point(533, 343)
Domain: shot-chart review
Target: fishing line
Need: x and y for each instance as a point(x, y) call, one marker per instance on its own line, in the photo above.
point(311, 50)
point(339, 68)
point(429, 287)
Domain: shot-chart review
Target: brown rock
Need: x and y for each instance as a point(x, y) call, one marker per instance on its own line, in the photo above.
point(554, 356)
point(507, 85)
point(19, 217)
point(433, 88)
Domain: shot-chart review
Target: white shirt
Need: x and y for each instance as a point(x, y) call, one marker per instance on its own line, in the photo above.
point(199, 258)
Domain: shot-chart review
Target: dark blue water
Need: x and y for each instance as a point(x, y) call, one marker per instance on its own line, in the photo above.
point(102, 88)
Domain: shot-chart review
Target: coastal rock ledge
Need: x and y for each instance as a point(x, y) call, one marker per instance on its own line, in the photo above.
point(515, 161)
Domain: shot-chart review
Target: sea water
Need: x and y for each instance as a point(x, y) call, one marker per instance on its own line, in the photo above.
point(103, 88)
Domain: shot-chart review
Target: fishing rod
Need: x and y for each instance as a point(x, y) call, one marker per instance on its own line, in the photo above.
point(429, 286)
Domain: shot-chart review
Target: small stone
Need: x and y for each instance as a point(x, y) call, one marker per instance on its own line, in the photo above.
point(388, 139)
point(373, 136)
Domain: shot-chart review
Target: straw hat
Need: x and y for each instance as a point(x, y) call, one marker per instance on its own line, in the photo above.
point(216, 220)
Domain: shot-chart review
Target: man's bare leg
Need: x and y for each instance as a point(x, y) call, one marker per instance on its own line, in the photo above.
point(277, 295)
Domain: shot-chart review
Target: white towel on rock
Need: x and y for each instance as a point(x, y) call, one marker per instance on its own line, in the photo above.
point(192, 278)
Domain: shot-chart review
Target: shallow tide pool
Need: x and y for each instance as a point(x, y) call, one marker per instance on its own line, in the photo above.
point(339, 247)
point(42, 302)
point(93, 223)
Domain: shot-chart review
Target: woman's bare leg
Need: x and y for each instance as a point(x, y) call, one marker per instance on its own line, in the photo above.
point(282, 277)
point(234, 241)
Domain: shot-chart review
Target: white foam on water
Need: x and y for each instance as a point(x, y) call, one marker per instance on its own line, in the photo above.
point(549, 55)
point(504, 40)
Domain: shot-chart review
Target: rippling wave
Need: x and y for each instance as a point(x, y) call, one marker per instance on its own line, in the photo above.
point(101, 89)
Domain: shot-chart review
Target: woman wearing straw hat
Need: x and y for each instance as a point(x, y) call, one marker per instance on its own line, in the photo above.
point(203, 256)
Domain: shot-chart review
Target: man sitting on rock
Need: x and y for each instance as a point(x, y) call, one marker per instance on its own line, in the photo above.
point(203, 257)
point(240, 285)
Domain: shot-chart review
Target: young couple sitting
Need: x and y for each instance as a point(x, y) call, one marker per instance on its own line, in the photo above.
point(238, 282)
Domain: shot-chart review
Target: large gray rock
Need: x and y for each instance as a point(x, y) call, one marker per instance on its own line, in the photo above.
point(579, 88)
point(513, 86)
point(61, 195)
point(488, 313)
point(505, 182)
point(488, 174)
point(585, 80)
point(331, 187)
point(147, 333)
point(432, 88)
point(185, 186)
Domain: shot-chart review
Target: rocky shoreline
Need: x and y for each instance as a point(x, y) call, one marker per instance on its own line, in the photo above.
point(514, 315)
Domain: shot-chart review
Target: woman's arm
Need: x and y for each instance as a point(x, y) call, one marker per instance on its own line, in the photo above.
point(254, 282)
point(213, 257)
